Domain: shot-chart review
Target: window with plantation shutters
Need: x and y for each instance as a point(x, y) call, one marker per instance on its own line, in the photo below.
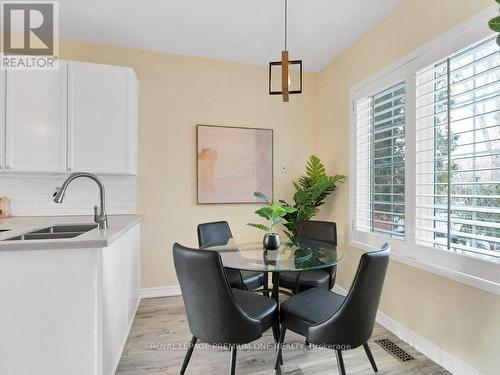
point(380, 164)
point(425, 158)
point(458, 152)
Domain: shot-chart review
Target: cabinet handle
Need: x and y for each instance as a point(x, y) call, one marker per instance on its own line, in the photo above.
point(70, 169)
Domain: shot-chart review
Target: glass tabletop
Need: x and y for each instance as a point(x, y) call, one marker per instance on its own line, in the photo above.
point(252, 256)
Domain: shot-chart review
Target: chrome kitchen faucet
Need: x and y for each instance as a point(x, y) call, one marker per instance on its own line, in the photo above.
point(100, 216)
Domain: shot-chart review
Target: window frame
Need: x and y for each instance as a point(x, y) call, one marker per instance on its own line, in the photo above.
point(473, 271)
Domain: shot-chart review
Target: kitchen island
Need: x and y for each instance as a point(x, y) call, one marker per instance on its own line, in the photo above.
point(69, 292)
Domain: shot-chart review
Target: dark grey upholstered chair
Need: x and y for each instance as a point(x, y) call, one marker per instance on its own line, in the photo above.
point(331, 320)
point(323, 231)
point(216, 313)
point(219, 233)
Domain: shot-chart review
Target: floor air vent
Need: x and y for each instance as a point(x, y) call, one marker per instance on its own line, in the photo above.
point(394, 350)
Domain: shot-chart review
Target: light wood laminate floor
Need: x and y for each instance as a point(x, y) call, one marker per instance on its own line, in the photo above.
point(156, 346)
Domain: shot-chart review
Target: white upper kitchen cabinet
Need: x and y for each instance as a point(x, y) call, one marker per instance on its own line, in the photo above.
point(102, 118)
point(36, 120)
point(2, 120)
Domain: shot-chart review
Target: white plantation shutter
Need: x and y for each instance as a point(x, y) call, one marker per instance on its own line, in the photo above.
point(458, 152)
point(425, 158)
point(380, 163)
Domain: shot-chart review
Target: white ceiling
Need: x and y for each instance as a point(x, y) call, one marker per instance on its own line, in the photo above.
point(248, 31)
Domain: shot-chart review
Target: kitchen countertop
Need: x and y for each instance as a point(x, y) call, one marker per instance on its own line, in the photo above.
point(95, 238)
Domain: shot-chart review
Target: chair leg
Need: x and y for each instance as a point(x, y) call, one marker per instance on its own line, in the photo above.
point(276, 334)
point(340, 361)
point(188, 354)
point(232, 363)
point(278, 360)
point(333, 276)
point(370, 357)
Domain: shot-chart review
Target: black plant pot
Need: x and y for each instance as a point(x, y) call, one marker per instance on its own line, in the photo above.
point(271, 241)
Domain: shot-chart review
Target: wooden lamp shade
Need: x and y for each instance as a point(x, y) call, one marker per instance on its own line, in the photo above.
point(285, 73)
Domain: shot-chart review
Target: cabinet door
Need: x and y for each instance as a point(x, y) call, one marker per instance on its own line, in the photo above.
point(102, 121)
point(2, 120)
point(36, 120)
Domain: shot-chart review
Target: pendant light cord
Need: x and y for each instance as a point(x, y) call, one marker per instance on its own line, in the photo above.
point(286, 23)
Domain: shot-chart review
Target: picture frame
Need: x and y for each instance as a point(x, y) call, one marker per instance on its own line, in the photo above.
point(232, 163)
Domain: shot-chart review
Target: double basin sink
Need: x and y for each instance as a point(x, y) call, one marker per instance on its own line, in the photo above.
point(54, 232)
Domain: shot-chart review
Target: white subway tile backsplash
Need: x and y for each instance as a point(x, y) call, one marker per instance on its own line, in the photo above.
point(31, 195)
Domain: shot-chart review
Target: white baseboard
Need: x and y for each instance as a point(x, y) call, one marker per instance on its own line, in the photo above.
point(164, 291)
point(429, 349)
point(337, 289)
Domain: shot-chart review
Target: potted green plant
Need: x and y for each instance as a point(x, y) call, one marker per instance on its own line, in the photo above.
point(494, 24)
point(311, 191)
point(274, 212)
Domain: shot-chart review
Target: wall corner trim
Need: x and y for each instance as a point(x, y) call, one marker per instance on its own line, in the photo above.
point(446, 360)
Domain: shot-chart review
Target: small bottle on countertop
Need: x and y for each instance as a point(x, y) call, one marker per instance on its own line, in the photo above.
point(4, 207)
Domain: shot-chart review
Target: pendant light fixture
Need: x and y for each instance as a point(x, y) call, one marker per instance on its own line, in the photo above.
point(285, 76)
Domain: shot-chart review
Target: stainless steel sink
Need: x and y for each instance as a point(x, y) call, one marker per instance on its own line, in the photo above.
point(54, 232)
point(82, 228)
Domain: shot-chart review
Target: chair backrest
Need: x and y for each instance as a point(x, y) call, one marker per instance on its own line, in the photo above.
point(352, 325)
point(325, 231)
point(213, 314)
point(216, 233)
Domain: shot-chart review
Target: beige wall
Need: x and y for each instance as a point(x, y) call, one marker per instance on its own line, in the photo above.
point(462, 320)
point(175, 94)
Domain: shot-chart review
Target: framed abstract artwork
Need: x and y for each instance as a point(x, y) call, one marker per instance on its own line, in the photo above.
point(233, 163)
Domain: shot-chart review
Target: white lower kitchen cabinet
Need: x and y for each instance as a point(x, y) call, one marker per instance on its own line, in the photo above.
point(68, 310)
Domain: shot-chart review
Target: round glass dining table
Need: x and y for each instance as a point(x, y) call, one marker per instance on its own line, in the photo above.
point(252, 256)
